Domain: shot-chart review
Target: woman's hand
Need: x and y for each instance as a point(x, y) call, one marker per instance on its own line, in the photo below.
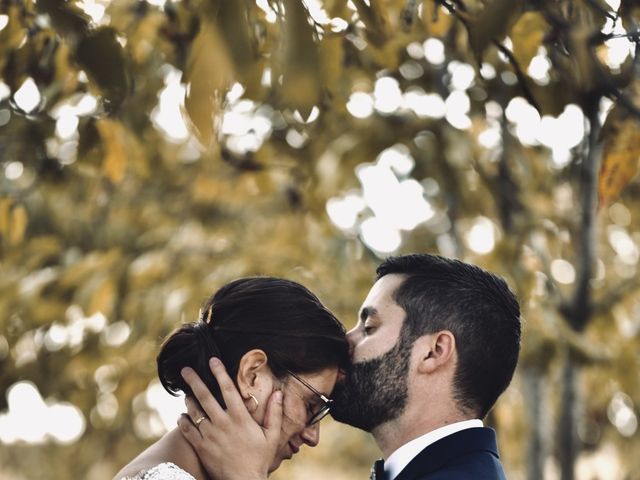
point(229, 443)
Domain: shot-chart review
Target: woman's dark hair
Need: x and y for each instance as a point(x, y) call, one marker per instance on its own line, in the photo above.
point(278, 316)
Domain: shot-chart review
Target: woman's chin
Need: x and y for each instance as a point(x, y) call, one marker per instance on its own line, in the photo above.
point(276, 463)
point(285, 453)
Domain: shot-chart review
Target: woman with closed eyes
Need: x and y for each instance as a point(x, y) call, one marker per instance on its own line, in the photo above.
point(271, 335)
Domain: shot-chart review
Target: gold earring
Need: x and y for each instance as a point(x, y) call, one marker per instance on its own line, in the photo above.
point(255, 400)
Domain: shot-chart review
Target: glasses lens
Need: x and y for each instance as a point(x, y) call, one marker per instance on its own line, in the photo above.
point(319, 415)
point(326, 403)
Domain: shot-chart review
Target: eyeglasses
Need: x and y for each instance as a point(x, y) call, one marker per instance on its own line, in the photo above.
point(326, 402)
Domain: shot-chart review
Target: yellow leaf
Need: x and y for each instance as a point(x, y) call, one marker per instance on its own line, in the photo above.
point(527, 35)
point(208, 75)
point(79, 273)
point(206, 190)
point(620, 156)
point(103, 298)
point(45, 311)
point(331, 52)
point(5, 209)
point(18, 224)
point(141, 45)
point(435, 18)
point(65, 74)
point(148, 269)
point(13, 35)
point(336, 8)
point(114, 164)
point(13, 221)
point(41, 251)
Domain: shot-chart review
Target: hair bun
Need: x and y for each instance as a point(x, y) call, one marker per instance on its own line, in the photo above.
point(191, 345)
point(204, 335)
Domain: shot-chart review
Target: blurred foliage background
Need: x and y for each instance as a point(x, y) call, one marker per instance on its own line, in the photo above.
point(151, 151)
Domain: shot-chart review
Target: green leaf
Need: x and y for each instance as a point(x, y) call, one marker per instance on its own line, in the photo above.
point(235, 30)
point(68, 20)
point(492, 23)
point(208, 76)
point(527, 35)
point(371, 14)
point(301, 76)
point(102, 58)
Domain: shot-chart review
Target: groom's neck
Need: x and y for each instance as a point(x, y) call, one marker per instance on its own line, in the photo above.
point(410, 425)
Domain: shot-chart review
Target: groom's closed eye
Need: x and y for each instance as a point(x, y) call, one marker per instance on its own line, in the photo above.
point(369, 329)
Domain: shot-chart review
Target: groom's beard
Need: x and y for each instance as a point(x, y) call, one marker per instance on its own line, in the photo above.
point(374, 391)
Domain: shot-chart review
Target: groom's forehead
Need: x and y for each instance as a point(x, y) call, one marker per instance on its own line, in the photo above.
point(382, 292)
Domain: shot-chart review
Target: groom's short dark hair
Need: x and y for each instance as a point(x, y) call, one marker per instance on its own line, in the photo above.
point(476, 306)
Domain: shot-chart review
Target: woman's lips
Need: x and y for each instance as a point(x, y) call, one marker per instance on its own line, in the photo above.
point(293, 448)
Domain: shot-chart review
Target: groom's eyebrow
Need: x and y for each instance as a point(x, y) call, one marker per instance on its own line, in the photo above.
point(367, 312)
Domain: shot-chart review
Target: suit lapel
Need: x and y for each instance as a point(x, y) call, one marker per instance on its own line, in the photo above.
point(446, 450)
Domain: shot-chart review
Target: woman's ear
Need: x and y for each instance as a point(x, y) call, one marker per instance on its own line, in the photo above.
point(435, 351)
point(254, 375)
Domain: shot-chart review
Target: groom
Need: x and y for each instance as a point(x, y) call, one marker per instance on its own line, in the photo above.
point(436, 344)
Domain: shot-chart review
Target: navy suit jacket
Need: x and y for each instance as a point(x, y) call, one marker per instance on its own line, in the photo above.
point(470, 454)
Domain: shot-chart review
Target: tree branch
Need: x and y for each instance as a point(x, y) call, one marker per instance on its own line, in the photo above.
point(596, 6)
point(624, 101)
point(409, 13)
point(552, 287)
point(578, 312)
point(455, 12)
point(603, 37)
point(522, 78)
point(615, 295)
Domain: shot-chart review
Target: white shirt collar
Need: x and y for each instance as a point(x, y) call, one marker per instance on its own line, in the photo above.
point(403, 455)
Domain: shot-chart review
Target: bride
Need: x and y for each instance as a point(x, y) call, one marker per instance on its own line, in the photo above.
point(271, 335)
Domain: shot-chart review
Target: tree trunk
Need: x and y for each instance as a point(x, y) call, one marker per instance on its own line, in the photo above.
point(578, 313)
point(567, 437)
point(535, 396)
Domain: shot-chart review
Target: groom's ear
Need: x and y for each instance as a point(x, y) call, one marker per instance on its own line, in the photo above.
point(435, 351)
point(253, 373)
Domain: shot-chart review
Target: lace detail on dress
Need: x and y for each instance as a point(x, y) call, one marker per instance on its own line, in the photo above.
point(164, 471)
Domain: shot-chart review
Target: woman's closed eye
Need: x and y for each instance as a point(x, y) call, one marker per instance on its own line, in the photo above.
point(313, 407)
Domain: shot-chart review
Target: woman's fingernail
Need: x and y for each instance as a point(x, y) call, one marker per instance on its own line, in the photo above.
point(182, 424)
point(214, 362)
point(278, 396)
point(185, 372)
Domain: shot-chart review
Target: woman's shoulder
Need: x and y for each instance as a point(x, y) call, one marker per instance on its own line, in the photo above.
point(162, 471)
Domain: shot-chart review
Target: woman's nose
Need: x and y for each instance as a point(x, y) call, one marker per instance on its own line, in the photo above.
point(311, 434)
point(351, 339)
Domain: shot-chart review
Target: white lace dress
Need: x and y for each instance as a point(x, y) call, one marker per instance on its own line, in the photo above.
point(163, 471)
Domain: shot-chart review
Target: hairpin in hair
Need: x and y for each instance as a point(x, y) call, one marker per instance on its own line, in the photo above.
point(205, 316)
